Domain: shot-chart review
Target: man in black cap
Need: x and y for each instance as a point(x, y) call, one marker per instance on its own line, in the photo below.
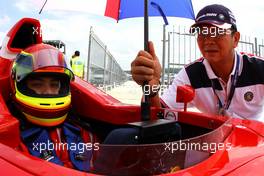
point(225, 81)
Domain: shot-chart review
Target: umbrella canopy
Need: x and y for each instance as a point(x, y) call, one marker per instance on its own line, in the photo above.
point(121, 9)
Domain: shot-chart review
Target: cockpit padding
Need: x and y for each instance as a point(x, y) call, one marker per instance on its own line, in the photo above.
point(25, 37)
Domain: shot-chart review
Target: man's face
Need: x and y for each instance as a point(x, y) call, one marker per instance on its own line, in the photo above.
point(216, 44)
point(44, 85)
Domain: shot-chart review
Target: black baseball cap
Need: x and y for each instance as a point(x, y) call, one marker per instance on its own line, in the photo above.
point(217, 15)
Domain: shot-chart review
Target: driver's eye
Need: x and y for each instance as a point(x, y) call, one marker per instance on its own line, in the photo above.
point(55, 84)
point(36, 84)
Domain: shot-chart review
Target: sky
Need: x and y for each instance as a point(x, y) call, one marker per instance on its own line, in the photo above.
point(70, 21)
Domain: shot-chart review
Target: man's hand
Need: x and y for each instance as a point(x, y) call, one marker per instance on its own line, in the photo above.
point(146, 67)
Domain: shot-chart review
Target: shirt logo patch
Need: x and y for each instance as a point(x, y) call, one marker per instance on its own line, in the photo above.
point(171, 115)
point(248, 96)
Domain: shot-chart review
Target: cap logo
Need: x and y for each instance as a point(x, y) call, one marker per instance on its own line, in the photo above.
point(248, 96)
point(206, 15)
point(221, 16)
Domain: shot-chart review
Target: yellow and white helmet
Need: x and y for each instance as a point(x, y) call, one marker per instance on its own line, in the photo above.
point(42, 60)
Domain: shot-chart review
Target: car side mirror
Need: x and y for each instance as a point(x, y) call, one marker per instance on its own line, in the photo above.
point(185, 94)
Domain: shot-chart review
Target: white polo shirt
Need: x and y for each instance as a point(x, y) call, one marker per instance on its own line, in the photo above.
point(248, 98)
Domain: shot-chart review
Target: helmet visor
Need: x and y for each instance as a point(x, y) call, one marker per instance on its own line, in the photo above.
point(46, 60)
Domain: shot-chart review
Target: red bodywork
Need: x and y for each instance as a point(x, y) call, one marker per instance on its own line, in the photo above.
point(246, 157)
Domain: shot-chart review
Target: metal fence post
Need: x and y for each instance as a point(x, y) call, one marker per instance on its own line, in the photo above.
point(105, 54)
point(163, 54)
point(256, 47)
point(168, 69)
point(89, 54)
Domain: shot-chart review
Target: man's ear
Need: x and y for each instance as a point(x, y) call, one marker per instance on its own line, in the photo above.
point(236, 38)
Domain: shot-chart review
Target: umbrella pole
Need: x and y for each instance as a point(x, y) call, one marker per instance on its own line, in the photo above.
point(145, 104)
point(146, 26)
